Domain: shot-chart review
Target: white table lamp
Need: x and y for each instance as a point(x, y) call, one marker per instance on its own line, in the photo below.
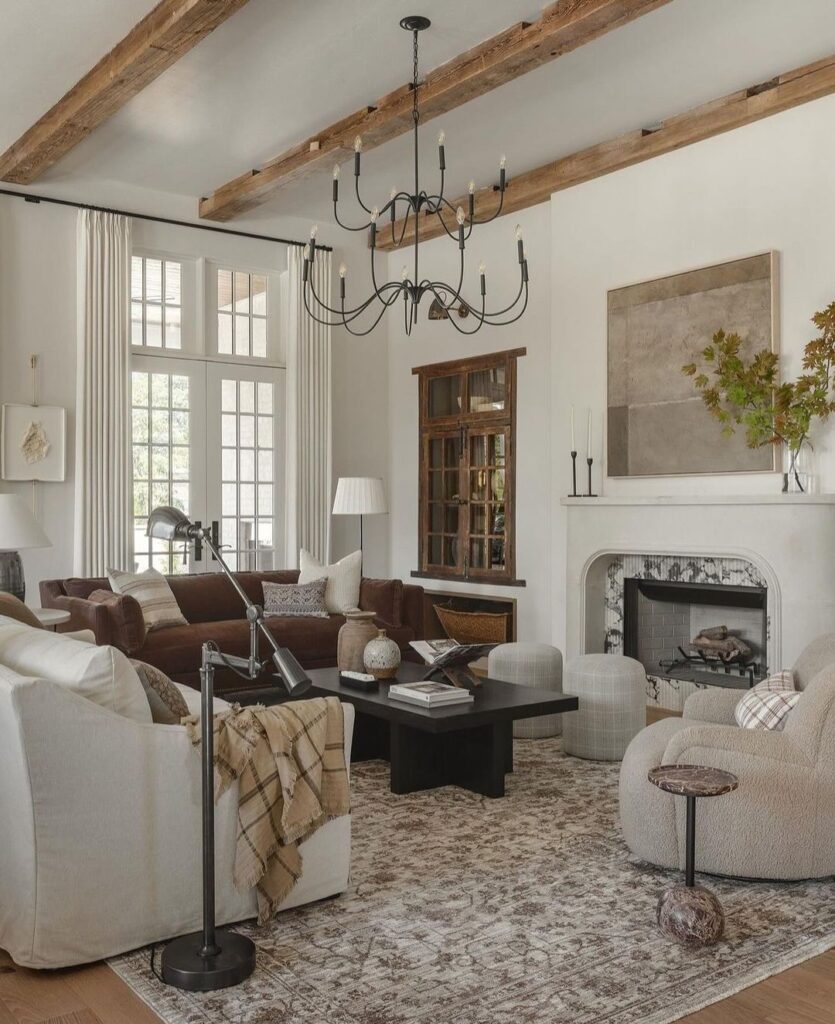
point(18, 530)
point(359, 496)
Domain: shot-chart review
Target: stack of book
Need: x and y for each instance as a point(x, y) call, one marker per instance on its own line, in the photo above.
point(430, 694)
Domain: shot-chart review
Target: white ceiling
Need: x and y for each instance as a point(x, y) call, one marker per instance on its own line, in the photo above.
point(278, 70)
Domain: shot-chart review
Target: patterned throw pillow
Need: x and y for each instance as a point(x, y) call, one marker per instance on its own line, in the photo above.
point(296, 600)
point(168, 706)
point(342, 593)
point(155, 596)
point(769, 703)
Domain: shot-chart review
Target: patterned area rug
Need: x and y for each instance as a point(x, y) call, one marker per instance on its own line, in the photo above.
point(474, 911)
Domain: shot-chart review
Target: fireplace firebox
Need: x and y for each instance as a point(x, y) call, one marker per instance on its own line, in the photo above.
point(705, 633)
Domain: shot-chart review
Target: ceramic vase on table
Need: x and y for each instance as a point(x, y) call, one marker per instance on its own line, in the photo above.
point(358, 629)
point(382, 656)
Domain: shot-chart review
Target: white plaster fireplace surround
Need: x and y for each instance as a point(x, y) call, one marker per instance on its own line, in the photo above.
point(788, 539)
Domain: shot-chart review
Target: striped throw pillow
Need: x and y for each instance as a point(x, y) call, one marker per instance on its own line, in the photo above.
point(768, 704)
point(155, 597)
point(296, 600)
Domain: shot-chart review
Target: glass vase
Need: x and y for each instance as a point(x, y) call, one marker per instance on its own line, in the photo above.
point(798, 477)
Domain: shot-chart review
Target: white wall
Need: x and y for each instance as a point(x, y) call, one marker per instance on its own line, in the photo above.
point(38, 315)
point(434, 341)
point(765, 186)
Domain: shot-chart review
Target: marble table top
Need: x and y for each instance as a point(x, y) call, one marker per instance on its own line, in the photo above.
point(692, 780)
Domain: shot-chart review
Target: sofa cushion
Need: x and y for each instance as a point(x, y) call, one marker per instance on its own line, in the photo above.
point(210, 597)
point(75, 586)
point(126, 619)
point(384, 598)
point(101, 674)
point(343, 589)
point(153, 592)
point(164, 697)
point(296, 600)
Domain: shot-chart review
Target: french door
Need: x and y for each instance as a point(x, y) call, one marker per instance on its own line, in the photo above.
point(208, 438)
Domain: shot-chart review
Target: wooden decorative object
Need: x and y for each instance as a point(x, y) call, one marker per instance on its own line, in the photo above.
point(745, 106)
point(170, 30)
point(564, 26)
point(467, 468)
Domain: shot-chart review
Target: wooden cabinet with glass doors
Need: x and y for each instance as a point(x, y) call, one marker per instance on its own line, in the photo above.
point(467, 469)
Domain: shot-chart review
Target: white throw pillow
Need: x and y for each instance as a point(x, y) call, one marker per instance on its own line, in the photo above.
point(156, 598)
point(768, 704)
point(342, 593)
point(101, 674)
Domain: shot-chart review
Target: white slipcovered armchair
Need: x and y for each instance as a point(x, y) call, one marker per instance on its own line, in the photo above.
point(780, 822)
point(100, 831)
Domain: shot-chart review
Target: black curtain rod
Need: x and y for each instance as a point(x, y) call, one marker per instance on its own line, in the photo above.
point(32, 198)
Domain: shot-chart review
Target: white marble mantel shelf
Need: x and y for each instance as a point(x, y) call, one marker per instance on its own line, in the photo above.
point(704, 499)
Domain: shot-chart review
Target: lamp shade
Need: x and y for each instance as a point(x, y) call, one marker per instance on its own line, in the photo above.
point(18, 527)
point(359, 496)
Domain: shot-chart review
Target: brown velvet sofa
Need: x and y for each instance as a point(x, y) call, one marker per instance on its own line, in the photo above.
point(215, 612)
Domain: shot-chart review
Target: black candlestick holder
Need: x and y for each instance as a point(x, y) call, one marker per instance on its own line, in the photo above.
point(574, 493)
point(588, 494)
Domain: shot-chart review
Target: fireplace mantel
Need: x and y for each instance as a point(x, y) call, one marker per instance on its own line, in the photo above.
point(704, 499)
point(789, 538)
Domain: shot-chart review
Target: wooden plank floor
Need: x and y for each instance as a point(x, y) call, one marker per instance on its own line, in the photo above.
point(95, 995)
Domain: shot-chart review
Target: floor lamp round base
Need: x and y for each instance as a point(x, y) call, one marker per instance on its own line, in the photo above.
point(183, 965)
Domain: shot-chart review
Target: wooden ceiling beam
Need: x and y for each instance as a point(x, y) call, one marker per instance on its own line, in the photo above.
point(789, 90)
point(562, 27)
point(167, 32)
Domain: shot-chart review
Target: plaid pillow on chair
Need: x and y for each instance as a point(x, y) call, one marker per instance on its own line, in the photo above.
point(768, 704)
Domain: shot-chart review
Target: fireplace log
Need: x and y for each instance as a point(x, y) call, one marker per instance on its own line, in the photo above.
point(729, 649)
point(714, 633)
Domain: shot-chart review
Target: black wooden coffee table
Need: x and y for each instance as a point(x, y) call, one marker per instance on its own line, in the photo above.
point(468, 745)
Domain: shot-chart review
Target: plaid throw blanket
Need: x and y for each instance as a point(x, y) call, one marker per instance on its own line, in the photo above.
point(290, 764)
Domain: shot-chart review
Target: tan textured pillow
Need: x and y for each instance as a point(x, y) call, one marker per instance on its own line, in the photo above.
point(167, 704)
point(342, 594)
point(155, 597)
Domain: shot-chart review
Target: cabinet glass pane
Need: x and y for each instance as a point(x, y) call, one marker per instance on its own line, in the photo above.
point(450, 552)
point(478, 556)
point(497, 519)
point(436, 517)
point(478, 519)
point(445, 396)
point(434, 552)
point(451, 513)
point(497, 549)
point(436, 485)
point(487, 390)
point(478, 485)
point(497, 481)
point(451, 485)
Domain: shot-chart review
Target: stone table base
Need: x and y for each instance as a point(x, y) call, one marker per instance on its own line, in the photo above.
point(692, 916)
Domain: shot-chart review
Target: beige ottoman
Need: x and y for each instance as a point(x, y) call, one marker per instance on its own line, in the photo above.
point(612, 694)
point(536, 665)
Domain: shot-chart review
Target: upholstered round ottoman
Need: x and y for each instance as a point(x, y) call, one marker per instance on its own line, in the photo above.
point(612, 694)
point(536, 665)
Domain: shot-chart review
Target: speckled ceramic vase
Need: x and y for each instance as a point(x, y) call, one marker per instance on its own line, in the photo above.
point(359, 628)
point(382, 656)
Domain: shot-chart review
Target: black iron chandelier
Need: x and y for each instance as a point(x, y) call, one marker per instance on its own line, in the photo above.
point(447, 301)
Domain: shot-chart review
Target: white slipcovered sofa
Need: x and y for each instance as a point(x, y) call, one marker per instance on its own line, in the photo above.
point(100, 829)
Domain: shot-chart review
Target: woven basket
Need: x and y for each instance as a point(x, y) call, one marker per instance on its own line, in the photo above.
point(473, 627)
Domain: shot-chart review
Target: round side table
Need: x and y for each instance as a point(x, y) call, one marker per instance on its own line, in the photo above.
point(689, 913)
point(51, 618)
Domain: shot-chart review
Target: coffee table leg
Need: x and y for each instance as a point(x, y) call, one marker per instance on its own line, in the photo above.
point(417, 760)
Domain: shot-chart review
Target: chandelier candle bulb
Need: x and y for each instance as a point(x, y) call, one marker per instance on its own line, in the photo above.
point(441, 153)
point(520, 245)
point(481, 271)
point(404, 274)
point(336, 182)
point(357, 152)
point(502, 173)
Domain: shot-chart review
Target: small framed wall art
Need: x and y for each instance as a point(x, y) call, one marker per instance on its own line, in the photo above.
point(33, 442)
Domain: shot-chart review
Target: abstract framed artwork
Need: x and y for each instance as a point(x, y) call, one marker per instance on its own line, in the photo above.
point(33, 442)
point(656, 423)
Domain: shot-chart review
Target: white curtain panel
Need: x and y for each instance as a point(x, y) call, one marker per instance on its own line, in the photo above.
point(308, 491)
point(103, 513)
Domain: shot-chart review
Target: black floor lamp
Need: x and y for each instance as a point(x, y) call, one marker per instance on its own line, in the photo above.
point(217, 957)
